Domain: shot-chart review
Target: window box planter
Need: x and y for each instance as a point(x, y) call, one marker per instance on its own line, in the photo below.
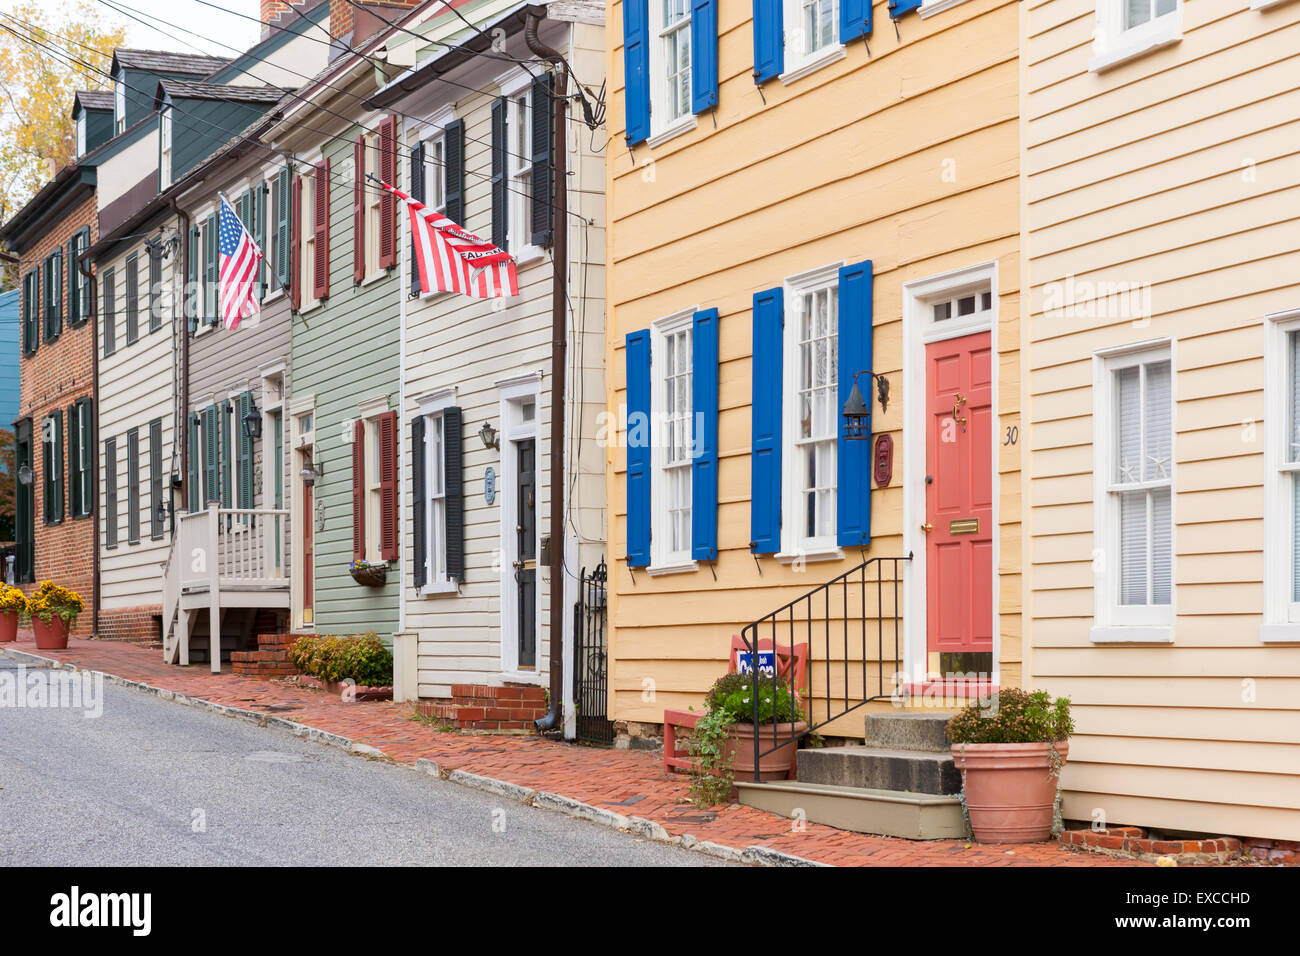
point(371, 575)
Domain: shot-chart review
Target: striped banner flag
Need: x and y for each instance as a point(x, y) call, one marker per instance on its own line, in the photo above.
point(451, 259)
point(238, 257)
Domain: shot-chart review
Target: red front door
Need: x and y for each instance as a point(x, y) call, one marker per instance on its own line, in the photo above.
point(308, 556)
point(959, 505)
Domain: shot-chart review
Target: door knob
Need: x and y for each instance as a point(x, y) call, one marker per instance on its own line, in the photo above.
point(927, 527)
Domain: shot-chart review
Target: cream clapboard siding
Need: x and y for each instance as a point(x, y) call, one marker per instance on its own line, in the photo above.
point(136, 385)
point(454, 341)
point(1177, 170)
point(847, 163)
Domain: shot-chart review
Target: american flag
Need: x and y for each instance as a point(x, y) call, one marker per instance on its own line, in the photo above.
point(238, 255)
point(451, 259)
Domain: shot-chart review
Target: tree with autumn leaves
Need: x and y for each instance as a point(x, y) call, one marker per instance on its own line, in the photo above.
point(48, 51)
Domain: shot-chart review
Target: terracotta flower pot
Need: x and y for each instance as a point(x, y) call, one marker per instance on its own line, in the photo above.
point(778, 765)
point(52, 636)
point(1010, 790)
point(8, 626)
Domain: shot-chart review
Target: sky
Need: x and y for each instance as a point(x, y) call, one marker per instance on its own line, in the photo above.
point(189, 23)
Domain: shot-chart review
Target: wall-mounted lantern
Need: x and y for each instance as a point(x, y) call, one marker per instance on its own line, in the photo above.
point(857, 413)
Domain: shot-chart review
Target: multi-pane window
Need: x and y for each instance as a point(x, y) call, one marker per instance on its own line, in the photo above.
point(816, 25)
point(1141, 481)
point(165, 148)
point(674, 61)
point(435, 177)
point(816, 357)
point(307, 215)
point(520, 181)
point(31, 311)
point(119, 103)
point(80, 460)
point(78, 281)
point(1291, 458)
point(672, 423)
point(435, 457)
point(962, 306)
point(373, 489)
point(53, 295)
point(52, 439)
point(1138, 12)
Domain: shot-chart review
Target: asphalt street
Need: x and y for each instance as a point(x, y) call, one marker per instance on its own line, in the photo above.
point(150, 782)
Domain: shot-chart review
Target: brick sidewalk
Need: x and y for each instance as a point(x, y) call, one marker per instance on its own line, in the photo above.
point(632, 783)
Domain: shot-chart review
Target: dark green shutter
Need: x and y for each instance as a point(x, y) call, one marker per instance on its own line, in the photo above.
point(74, 285)
point(419, 505)
point(193, 490)
point(74, 461)
point(192, 280)
point(58, 464)
point(542, 136)
point(133, 486)
point(227, 450)
point(246, 490)
point(259, 231)
point(500, 206)
point(155, 292)
point(110, 492)
point(211, 490)
point(210, 271)
point(454, 491)
point(31, 303)
point(282, 238)
point(156, 508)
point(132, 298)
point(417, 193)
point(109, 311)
point(454, 148)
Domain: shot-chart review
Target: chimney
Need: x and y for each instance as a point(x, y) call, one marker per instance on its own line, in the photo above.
point(352, 25)
point(270, 10)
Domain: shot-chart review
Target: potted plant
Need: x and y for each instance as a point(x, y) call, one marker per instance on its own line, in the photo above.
point(722, 747)
point(1010, 757)
point(54, 611)
point(12, 604)
point(370, 573)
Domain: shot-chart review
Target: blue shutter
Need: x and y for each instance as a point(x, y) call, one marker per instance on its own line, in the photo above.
point(853, 458)
point(638, 448)
point(855, 19)
point(704, 55)
point(765, 445)
point(636, 69)
point(899, 7)
point(769, 40)
point(704, 468)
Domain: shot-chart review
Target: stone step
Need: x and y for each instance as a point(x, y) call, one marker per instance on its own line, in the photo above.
point(915, 816)
point(908, 731)
point(875, 768)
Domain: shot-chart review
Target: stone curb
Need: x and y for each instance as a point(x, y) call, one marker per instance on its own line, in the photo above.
point(541, 799)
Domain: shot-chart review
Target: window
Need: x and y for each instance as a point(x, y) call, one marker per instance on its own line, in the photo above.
point(119, 102)
point(962, 306)
point(31, 311)
point(1290, 468)
point(110, 493)
point(520, 178)
point(672, 442)
point(52, 440)
point(308, 233)
point(811, 413)
point(156, 508)
point(81, 134)
point(373, 488)
point(133, 486)
point(81, 493)
point(670, 63)
point(110, 311)
point(812, 35)
point(164, 148)
point(132, 298)
point(1134, 527)
point(816, 29)
point(53, 295)
point(374, 483)
point(373, 195)
point(1282, 487)
point(1127, 29)
point(435, 176)
point(435, 450)
point(78, 281)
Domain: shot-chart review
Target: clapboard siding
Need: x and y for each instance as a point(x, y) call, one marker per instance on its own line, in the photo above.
point(457, 342)
point(844, 164)
point(1178, 170)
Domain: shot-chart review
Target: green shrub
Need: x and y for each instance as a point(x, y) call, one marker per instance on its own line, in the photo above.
point(1020, 718)
point(361, 657)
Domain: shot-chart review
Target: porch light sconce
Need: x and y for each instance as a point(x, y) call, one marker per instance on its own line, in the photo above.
point(857, 414)
point(25, 474)
point(488, 435)
point(311, 473)
point(253, 422)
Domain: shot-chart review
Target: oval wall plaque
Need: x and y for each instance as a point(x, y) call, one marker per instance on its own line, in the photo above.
point(490, 485)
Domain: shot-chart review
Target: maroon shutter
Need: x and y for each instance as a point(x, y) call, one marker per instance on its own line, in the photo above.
point(359, 210)
point(387, 201)
point(295, 244)
point(359, 490)
point(388, 486)
point(321, 256)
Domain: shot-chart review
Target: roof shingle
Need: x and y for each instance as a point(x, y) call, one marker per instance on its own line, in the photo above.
point(165, 61)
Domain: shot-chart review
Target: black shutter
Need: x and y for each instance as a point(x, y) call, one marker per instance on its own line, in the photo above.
point(417, 193)
point(133, 486)
point(418, 502)
point(75, 509)
point(194, 486)
point(132, 298)
point(542, 135)
point(155, 292)
point(110, 493)
point(109, 311)
point(282, 237)
point(454, 491)
point(156, 513)
point(31, 305)
point(500, 206)
point(454, 139)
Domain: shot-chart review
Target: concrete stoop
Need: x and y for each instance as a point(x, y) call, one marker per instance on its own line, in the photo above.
point(902, 782)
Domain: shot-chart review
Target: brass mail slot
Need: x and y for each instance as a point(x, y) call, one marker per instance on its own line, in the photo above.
point(964, 526)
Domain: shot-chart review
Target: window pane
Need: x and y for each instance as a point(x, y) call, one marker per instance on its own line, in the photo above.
point(1128, 418)
point(1157, 461)
point(1165, 6)
point(1133, 547)
point(1295, 537)
point(1136, 12)
point(1161, 551)
point(1293, 446)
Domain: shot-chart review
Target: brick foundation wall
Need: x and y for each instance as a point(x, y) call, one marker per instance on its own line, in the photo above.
point(480, 707)
point(54, 377)
point(136, 624)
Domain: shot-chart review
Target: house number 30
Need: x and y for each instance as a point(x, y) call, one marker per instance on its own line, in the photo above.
point(1012, 436)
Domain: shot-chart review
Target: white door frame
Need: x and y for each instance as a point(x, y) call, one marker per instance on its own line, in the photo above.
point(920, 329)
point(513, 393)
point(299, 443)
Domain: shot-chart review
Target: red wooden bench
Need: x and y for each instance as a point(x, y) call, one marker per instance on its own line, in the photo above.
point(791, 666)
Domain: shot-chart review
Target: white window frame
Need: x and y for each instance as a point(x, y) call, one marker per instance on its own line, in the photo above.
point(1112, 44)
point(797, 63)
point(663, 560)
point(1281, 621)
point(371, 196)
point(794, 545)
point(165, 147)
point(370, 412)
point(270, 177)
point(663, 126)
point(432, 408)
point(81, 133)
point(300, 449)
point(1115, 622)
point(119, 102)
point(519, 213)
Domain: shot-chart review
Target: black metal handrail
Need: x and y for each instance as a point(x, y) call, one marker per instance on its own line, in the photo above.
point(802, 614)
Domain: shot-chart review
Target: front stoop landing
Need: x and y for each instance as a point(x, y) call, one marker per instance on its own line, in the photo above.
point(484, 707)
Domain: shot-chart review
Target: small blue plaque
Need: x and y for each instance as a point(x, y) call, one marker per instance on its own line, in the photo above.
point(490, 486)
